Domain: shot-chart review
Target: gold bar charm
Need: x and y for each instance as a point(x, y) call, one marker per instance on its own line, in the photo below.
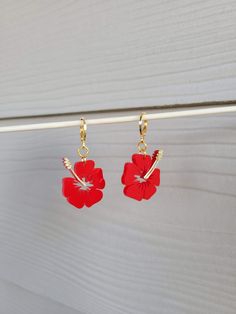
point(68, 166)
point(150, 171)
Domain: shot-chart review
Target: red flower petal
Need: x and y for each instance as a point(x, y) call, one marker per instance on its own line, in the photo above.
point(149, 190)
point(67, 186)
point(130, 170)
point(84, 168)
point(155, 177)
point(143, 162)
point(78, 195)
point(133, 177)
point(77, 199)
point(96, 178)
point(72, 192)
point(134, 191)
point(93, 197)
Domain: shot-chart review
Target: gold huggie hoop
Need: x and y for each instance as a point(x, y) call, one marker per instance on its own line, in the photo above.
point(83, 150)
point(143, 124)
point(83, 129)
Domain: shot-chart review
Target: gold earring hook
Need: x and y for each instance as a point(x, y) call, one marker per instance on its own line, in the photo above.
point(143, 124)
point(83, 130)
point(83, 150)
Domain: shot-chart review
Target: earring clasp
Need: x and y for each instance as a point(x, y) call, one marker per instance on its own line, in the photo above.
point(83, 150)
point(83, 130)
point(143, 124)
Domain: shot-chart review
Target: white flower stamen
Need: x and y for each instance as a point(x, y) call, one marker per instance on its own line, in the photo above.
point(139, 179)
point(84, 187)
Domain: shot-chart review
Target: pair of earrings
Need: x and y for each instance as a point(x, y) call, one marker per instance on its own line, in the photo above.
point(140, 177)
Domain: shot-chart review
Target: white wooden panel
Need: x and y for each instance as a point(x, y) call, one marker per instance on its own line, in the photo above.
point(70, 56)
point(174, 254)
point(16, 300)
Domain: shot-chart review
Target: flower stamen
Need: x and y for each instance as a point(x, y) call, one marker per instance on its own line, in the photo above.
point(83, 186)
point(157, 158)
point(139, 179)
point(67, 164)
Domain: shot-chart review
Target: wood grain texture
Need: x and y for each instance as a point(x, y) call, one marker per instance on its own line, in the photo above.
point(71, 56)
point(174, 254)
point(14, 299)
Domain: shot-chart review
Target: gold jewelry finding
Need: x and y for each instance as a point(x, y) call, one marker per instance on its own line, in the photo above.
point(143, 124)
point(153, 167)
point(83, 129)
point(83, 150)
point(68, 165)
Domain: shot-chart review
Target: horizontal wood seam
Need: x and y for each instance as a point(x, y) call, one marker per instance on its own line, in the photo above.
point(120, 110)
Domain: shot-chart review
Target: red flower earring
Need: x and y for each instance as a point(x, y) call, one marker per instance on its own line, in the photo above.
point(84, 189)
point(141, 177)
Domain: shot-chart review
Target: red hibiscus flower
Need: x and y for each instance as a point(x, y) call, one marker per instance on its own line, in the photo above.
point(86, 194)
point(136, 186)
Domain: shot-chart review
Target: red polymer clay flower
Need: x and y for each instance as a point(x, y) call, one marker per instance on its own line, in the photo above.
point(81, 195)
point(133, 177)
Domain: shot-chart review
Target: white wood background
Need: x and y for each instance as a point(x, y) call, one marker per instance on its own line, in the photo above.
point(60, 56)
point(175, 254)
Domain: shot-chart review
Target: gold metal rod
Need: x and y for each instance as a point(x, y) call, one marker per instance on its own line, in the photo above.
point(68, 166)
point(76, 177)
point(150, 171)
